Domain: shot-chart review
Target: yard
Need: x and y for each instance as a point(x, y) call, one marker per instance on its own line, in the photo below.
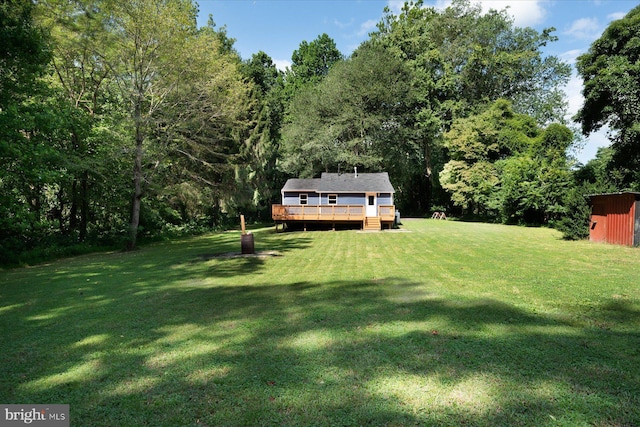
point(444, 323)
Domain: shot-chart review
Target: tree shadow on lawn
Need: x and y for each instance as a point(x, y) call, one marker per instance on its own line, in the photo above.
point(384, 352)
point(105, 276)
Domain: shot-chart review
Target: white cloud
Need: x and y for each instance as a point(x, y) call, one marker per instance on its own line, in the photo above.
point(442, 4)
point(595, 140)
point(571, 56)
point(590, 29)
point(573, 90)
point(282, 64)
point(525, 13)
point(395, 6)
point(598, 139)
point(585, 29)
point(367, 27)
point(615, 16)
point(342, 25)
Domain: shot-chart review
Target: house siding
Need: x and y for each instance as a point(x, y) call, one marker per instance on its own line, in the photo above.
point(292, 198)
point(345, 198)
point(314, 199)
point(385, 199)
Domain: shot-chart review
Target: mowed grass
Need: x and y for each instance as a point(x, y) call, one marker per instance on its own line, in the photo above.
point(444, 323)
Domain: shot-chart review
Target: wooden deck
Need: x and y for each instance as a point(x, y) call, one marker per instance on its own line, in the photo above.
point(329, 213)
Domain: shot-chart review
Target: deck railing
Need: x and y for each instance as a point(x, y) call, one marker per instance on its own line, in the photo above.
point(387, 212)
point(328, 212)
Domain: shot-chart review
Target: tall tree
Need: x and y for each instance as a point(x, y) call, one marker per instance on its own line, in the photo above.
point(26, 125)
point(534, 183)
point(146, 60)
point(347, 119)
point(463, 60)
point(600, 172)
point(262, 148)
point(475, 143)
point(24, 51)
point(504, 165)
point(202, 125)
point(80, 75)
point(611, 74)
point(312, 61)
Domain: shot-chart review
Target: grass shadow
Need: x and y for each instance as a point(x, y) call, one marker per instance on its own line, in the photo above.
point(382, 352)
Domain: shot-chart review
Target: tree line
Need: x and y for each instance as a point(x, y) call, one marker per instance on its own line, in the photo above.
point(125, 120)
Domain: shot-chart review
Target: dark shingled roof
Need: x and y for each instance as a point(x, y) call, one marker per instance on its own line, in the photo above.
point(343, 183)
point(299, 184)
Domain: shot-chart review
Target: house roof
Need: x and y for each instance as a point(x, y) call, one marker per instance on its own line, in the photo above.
point(343, 183)
point(300, 184)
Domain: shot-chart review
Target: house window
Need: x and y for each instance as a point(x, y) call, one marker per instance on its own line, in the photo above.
point(372, 200)
point(304, 199)
point(332, 199)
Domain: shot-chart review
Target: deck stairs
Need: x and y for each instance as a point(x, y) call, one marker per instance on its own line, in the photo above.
point(372, 223)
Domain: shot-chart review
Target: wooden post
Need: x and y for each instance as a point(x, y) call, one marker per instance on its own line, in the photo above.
point(246, 239)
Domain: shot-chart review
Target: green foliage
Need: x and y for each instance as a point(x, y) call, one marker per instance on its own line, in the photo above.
point(349, 118)
point(611, 71)
point(574, 224)
point(533, 191)
point(463, 60)
point(197, 145)
point(503, 165)
point(311, 62)
point(471, 185)
point(34, 127)
point(24, 52)
point(601, 172)
point(259, 179)
point(128, 87)
point(466, 58)
point(596, 177)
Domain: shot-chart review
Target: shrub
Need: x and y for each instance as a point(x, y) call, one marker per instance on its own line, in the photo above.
point(574, 224)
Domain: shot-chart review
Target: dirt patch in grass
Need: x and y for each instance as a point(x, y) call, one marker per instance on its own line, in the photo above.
point(226, 255)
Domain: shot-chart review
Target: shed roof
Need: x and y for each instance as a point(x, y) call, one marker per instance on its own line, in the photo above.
point(633, 193)
point(343, 183)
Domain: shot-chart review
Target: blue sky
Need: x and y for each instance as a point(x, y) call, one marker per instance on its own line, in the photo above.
point(277, 27)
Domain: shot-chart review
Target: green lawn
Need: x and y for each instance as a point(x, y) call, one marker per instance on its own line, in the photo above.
point(446, 323)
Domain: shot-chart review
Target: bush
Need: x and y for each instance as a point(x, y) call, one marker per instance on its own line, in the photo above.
point(574, 224)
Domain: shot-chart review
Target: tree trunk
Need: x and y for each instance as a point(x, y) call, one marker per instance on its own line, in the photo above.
point(73, 211)
point(84, 205)
point(137, 192)
point(73, 215)
point(60, 211)
point(428, 171)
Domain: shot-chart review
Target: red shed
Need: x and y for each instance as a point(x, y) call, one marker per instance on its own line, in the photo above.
point(615, 218)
